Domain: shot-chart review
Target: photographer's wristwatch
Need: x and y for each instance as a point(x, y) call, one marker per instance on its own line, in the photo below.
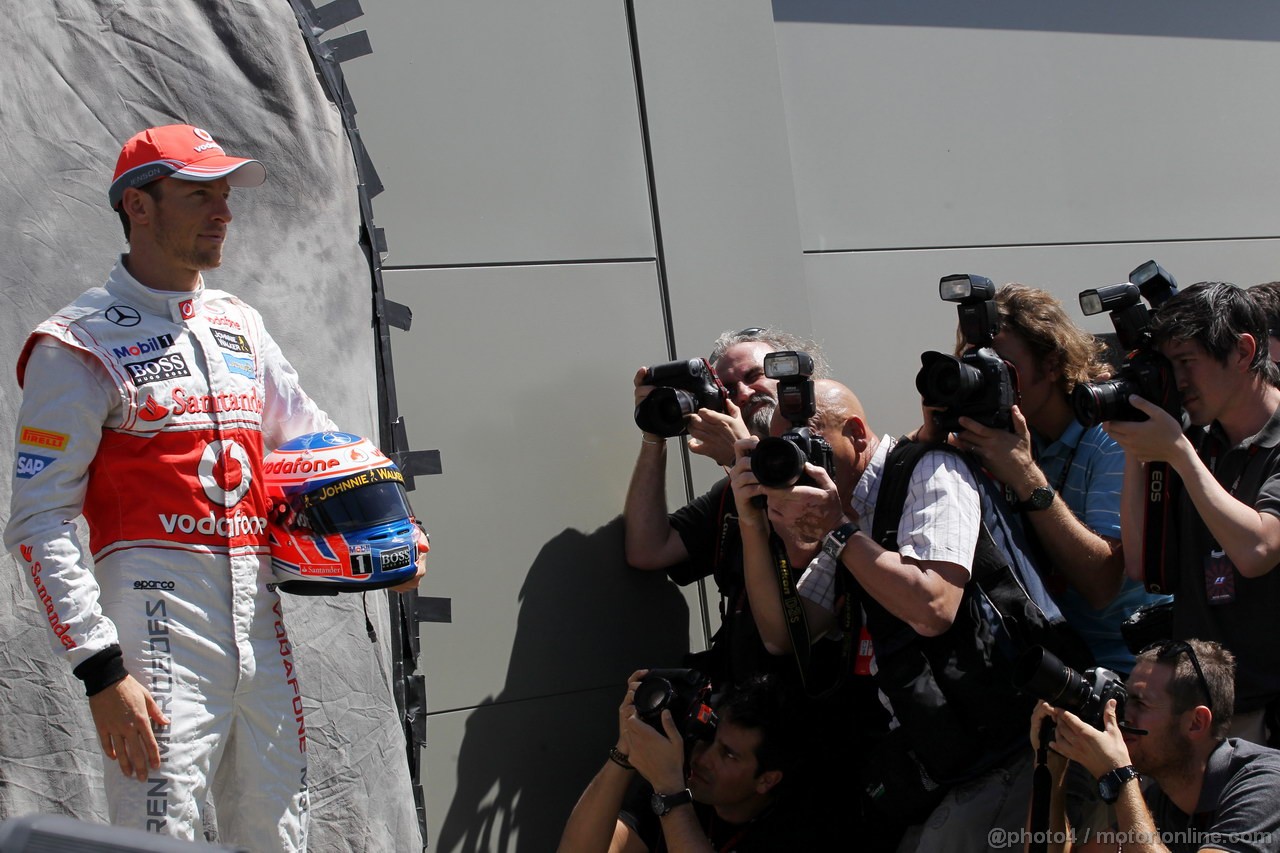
point(664, 803)
point(1041, 498)
point(1109, 784)
point(834, 542)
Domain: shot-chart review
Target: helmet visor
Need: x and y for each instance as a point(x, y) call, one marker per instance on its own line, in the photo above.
point(356, 503)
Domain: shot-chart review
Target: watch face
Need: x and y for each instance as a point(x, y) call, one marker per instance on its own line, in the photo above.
point(656, 803)
point(1109, 784)
point(1041, 498)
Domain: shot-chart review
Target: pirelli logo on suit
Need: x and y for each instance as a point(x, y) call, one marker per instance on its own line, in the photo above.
point(44, 438)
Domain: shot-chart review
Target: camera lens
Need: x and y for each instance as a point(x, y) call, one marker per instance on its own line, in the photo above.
point(1040, 673)
point(1104, 401)
point(652, 695)
point(944, 380)
point(778, 462)
point(663, 411)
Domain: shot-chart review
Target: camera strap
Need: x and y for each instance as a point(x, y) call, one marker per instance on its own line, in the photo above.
point(1041, 790)
point(1157, 509)
point(816, 685)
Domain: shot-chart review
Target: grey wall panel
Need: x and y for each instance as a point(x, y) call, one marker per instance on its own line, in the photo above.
point(924, 131)
point(506, 777)
point(502, 131)
point(876, 312)
point(721, 166)
point(531, 409)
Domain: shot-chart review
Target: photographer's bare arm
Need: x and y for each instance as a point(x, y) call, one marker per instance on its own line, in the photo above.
point(593, 826)
point(757, 560)
point(1100, 752)
point(1251, 539)
point(1092, 564)
point(650, 540)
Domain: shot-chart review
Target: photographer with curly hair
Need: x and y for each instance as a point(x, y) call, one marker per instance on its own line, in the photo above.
point(1065, 478)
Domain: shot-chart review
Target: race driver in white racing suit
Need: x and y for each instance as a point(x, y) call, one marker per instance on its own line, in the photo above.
point(148, 405)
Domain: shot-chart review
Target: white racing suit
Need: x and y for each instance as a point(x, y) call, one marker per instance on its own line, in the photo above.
point(150, 412)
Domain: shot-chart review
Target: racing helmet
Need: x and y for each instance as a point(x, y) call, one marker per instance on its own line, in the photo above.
point(341, 520)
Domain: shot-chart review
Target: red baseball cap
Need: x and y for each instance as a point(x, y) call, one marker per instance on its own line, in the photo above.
point(179, 151)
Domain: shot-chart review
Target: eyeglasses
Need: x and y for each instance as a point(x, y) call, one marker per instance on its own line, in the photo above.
point(1168, 650)
point(750, 330)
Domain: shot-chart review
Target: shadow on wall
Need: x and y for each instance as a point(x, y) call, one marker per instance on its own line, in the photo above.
point(586, 622)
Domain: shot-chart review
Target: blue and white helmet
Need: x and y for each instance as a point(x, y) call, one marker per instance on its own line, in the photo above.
point(348, 526)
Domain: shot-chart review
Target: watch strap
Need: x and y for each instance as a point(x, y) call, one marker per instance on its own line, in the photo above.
point(1111, 782)
point(834, 542)
point(663, 803)
point(1041, 498)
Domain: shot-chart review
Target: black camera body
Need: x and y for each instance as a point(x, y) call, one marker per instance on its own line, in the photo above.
point(684, 692)
point(1145, 371)
point(778, 461)
point(1040, 673)
point(979, 384)
point(683, 388)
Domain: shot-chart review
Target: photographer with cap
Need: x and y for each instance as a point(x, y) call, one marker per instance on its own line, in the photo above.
point(661, 791)
point(1175, 779)
point(148, 405)
point(701, 539)
point(1220, 555)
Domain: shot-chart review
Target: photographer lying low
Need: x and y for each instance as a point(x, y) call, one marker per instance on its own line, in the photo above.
point(683, 789)
point(1177, 782)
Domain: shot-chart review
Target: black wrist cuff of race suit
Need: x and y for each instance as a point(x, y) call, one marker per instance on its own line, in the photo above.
point(102, 670)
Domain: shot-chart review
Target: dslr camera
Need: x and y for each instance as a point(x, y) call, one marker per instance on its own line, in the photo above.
point(778, 461)
point(1145, 371)
point(979, 384)
point(684, 692)
point(683, 388)
point(1039, 673)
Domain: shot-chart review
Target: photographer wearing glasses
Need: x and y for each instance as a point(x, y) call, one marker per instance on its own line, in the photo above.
point(701, 539)
point(1225, 490)
point(1206, 791)
point(697, 780)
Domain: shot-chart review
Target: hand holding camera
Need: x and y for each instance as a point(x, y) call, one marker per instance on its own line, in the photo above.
point(670, 711)
point(1099, 750)
point(680, 388)
point(748, 494)
point(1006, 454)
point(713, 434)
point(804, 514)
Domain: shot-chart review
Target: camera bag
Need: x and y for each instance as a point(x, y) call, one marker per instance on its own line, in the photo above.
point(959, 714)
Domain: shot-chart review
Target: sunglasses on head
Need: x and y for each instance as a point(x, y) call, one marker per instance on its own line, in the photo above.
point(1167, 651)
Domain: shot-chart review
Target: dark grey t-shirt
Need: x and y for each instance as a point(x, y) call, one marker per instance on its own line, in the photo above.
point(1239, 808)
point(1213, 601)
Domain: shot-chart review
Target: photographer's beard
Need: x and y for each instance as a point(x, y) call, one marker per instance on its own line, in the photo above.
point(759, 414)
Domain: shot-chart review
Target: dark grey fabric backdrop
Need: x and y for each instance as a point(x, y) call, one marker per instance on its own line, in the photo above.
point(77, 77)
